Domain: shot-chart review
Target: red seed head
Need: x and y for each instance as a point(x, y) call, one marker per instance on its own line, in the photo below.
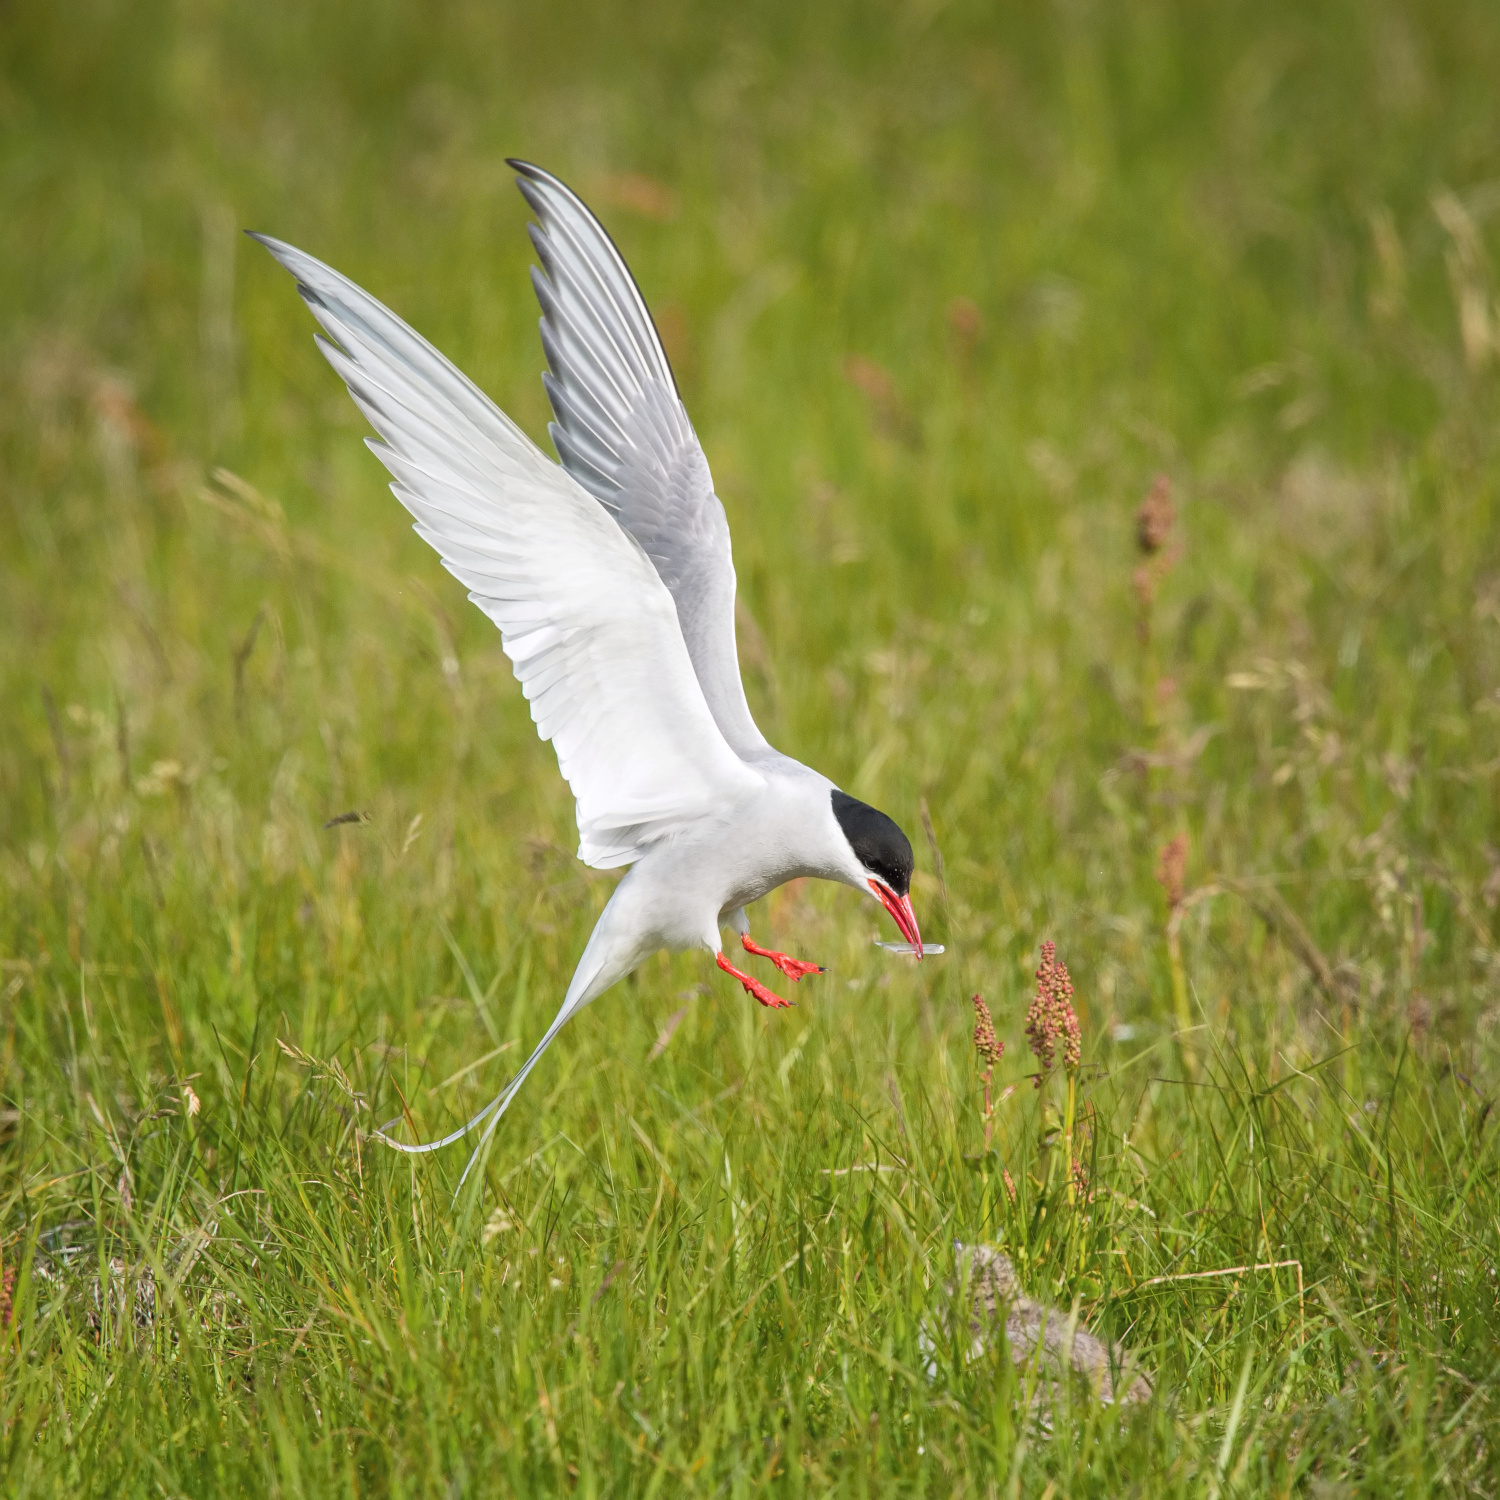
point(989, 1047)
point(1153, 521)
point(1051, 1019)
point(1171, 868)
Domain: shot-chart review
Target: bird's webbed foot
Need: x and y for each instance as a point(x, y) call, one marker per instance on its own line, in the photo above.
point(793, 968)
point(766, 997)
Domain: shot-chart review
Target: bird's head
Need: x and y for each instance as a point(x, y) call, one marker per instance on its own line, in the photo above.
point(879, 861)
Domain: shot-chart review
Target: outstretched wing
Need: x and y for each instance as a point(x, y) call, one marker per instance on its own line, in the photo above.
point(588, 624)
point(622, 432)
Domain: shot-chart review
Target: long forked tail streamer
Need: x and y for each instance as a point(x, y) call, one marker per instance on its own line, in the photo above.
point(607, 957)
point(492, 1111)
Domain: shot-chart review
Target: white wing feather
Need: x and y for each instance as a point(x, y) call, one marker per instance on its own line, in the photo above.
point(591, 629)
point(622, 432)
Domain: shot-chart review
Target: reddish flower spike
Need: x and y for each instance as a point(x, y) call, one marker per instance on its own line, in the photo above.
point(1051, 1020)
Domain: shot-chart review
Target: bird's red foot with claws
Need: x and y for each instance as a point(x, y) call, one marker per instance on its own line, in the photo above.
point(793, 968)
point(754, 986)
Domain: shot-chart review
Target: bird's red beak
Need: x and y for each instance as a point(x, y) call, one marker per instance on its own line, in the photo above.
point(901, 914)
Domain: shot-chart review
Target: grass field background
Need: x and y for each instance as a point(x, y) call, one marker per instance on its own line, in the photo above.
point(946, 287)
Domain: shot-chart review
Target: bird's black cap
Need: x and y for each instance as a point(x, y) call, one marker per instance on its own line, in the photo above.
point(879, 844)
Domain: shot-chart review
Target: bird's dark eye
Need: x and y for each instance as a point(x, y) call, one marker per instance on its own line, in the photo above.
point(877, 842)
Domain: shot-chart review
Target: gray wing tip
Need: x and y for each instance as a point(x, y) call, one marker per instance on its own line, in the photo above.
point(536, 184)
point(302, 267)
point(283, 252)
point(290, 258)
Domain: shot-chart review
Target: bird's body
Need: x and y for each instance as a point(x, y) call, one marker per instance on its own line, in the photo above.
point(611, 578)
point(684, 892)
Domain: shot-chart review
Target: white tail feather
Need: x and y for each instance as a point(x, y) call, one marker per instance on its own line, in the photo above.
point(608, 957)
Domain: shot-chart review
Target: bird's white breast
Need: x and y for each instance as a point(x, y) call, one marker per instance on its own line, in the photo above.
point(781, 830)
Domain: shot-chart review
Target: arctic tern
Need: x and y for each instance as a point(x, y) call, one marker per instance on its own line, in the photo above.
point(610, 577)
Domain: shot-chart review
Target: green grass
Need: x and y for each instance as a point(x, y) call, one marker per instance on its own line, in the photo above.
point(1229, 243)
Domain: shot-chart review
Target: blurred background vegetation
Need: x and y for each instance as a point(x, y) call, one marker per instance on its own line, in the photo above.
point(946, 287)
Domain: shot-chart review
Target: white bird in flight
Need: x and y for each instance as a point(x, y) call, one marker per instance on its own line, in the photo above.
point(611, 579)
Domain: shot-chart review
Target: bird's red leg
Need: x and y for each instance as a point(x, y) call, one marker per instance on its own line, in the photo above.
point(793, 968)
point(755, 987)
